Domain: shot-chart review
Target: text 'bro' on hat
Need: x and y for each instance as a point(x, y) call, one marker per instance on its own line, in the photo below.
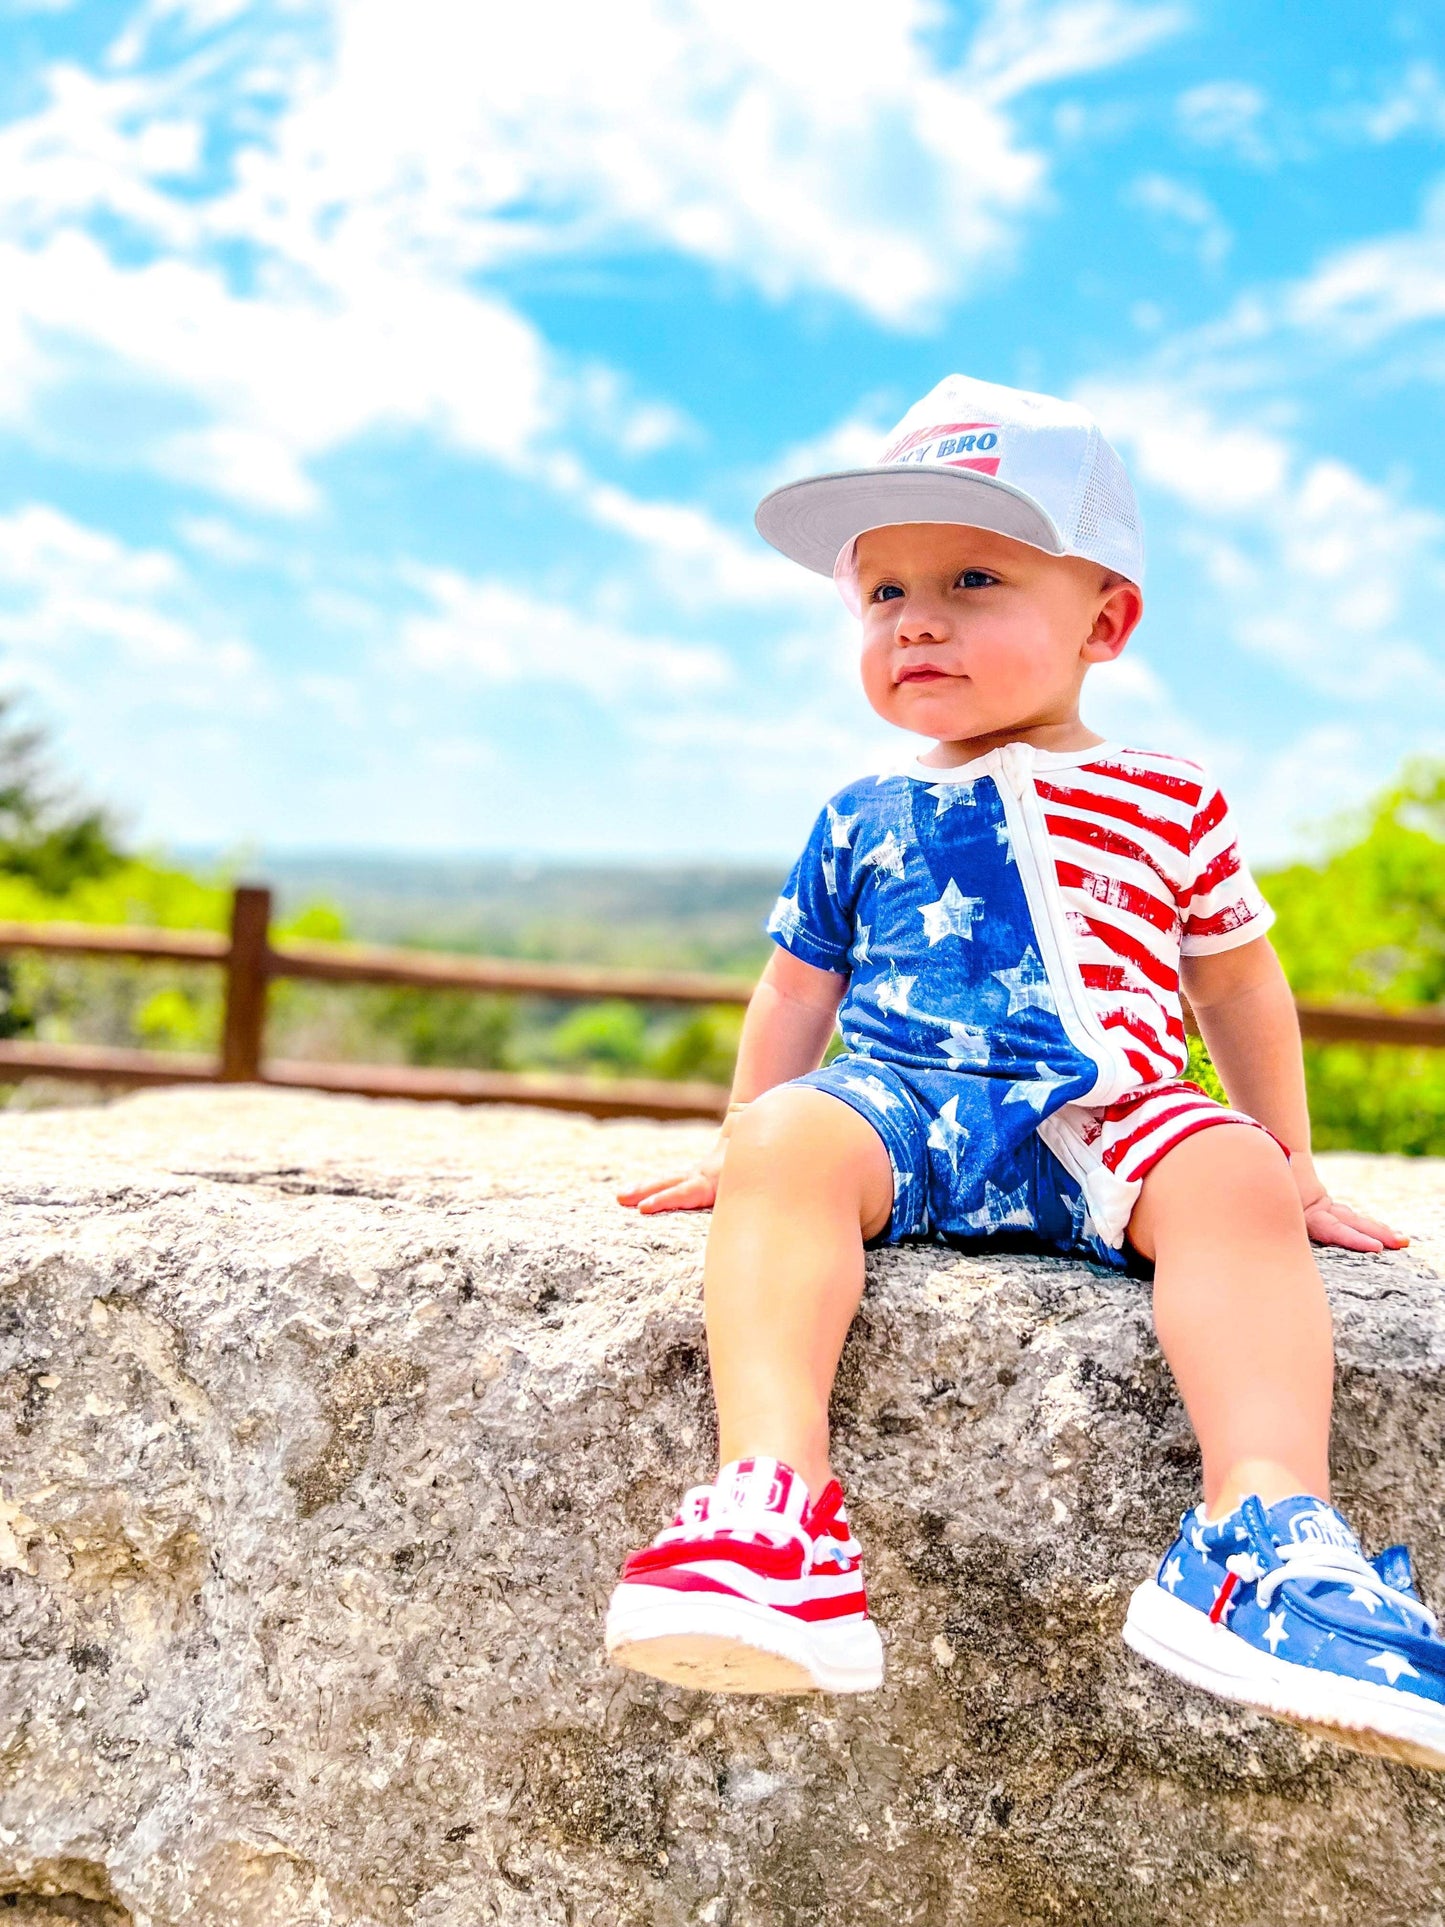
point(982, 455)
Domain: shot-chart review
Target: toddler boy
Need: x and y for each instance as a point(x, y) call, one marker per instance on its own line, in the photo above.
point(1004, 920)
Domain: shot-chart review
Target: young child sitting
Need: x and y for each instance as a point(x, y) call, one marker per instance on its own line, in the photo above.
point(1004, 920)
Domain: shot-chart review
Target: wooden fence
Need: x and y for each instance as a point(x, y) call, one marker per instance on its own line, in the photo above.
point(252, 961)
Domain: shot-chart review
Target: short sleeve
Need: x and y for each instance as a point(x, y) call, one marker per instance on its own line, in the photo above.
point(813, 917)
point(1220, 905)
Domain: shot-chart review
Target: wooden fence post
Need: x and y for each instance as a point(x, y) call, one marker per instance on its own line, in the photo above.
point(246, 976)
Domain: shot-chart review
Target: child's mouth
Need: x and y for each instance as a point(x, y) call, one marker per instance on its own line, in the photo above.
point(923, 675)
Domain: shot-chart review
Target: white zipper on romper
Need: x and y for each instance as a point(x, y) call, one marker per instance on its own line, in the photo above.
point(1024, 815)
point(1110, 1199)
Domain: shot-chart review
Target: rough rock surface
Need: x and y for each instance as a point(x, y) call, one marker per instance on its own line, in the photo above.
point(326, 1425)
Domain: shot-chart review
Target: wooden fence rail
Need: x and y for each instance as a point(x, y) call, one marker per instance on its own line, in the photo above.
point(251, 962)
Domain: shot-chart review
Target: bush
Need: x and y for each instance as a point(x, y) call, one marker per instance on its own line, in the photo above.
point(702, 1048)
point(609, 1037)
point(1368, 923)
point(448, 1027)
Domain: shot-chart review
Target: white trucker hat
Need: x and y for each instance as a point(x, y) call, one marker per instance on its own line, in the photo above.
point(972, 452)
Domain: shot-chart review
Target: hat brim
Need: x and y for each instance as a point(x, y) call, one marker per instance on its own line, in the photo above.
point(811, 520)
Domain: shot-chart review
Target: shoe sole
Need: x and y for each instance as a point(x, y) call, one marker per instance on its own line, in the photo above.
point(720, 1644)
point(1353, 1712)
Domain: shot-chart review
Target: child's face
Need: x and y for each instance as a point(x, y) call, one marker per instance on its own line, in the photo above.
point(968, 634)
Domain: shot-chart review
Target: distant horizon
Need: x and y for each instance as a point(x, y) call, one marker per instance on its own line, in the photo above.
point(710, 911)
point(341, 855)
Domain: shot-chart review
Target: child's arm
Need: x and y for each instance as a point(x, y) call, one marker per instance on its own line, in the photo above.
point(1247, 1018)
point(789, 1020)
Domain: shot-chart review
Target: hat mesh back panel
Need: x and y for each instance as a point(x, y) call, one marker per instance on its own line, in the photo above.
point(1108, 513)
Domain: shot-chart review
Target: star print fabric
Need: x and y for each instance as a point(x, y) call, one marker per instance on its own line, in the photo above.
point(955, 1048)
point(915, 896)
point(1292, 1581)
point(965, 1170)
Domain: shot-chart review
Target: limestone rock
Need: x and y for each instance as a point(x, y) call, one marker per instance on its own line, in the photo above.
point(327, 1424)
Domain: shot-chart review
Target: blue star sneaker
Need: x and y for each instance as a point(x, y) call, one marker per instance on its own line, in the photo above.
point(1279, 1609)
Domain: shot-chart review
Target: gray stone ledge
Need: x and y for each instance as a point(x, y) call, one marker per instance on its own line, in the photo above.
point(326, 1425)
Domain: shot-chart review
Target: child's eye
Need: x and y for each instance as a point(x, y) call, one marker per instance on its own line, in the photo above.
point(885, 592)
point(976, 579)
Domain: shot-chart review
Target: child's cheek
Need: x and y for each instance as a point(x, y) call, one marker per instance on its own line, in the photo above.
point(877, 672)
point(1004, 661)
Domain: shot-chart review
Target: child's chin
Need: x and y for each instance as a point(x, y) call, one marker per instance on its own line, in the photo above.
point(936, 715)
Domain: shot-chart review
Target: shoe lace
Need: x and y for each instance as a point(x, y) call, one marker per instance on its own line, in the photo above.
point(703, 1514)
point(1341, 1566)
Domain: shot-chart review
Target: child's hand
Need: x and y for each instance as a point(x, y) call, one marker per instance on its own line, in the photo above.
point(1329, 1223)
point(694, 1192)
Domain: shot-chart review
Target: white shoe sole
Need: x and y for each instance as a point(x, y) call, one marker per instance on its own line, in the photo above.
point(1355, 1712)
point(724, 1645)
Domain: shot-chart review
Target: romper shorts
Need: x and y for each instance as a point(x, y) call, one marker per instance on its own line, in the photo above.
point(1024, 1197)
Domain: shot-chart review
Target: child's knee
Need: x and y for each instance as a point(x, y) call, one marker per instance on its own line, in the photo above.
point(795, 1133)
point(1255, 1177)
point(1228, 1179)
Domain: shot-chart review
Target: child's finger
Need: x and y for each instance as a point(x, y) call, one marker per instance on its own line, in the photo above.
point(1328, 1228)
point(634, 1193)
point(1363, 1222)
point(690, 1194)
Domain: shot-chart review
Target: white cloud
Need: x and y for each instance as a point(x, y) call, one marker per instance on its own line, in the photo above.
point(853, 443)
point(380, 160)
point(284, 376)
point(839, 159)
point(692, 559)
point(1127, 701)
point(1021, 45)
point(1226, 115)
point(99, 145)
point(1294, 801)
point(41, 549)
point(75, 603)
point(1354, 298)
point(219, 540)
point(484, 630)
point(1179, 443)
point(1189, 209)
point(1312, 564)
point(777, 741)
point(1414, 104)
point(343, 698)
point(1364, 292)
point(792, 757)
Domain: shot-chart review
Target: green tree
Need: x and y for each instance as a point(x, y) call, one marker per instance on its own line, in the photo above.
point(1369, 920)
point(607, 1037)
point(46, 838)
point(448, 1026)
point(46, 834)
point(701, 1048)
point(1367, 923)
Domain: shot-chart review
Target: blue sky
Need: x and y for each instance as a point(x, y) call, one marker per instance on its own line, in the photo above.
point(385, 391)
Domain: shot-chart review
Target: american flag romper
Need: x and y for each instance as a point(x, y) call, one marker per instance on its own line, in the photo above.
point(1011, 931)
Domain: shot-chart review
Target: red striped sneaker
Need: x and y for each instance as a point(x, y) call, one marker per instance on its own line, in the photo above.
point(750, 1590)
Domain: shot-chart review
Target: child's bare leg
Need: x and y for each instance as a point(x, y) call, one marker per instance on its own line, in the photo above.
point(1241, 1314)
point(805, 1181)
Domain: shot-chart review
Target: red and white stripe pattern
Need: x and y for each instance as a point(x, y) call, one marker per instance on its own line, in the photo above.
point(752, 1534)
point(1135, 1132)
point(751, 1588)
point(1148, 869)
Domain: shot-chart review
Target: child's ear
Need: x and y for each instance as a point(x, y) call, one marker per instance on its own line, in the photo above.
point(1117, 619)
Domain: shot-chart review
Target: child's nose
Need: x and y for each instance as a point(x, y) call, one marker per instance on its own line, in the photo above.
point(922, 621)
